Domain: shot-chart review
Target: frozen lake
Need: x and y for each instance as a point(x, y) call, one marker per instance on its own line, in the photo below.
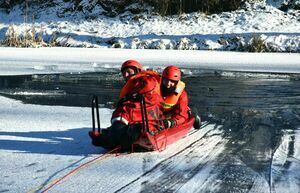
point(257, 115)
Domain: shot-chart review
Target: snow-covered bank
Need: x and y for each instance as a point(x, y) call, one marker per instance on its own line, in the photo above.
point(14, 61)
point(276, 30)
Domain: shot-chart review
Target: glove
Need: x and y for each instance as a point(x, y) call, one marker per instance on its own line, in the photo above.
point(137, 97)
point(168, 123)
point(121, 101)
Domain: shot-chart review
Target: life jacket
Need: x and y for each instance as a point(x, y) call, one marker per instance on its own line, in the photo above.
point(171, 100)
point(130, 111)
point(130, 85)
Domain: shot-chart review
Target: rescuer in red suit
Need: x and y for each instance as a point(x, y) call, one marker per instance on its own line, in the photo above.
point(175, 105)
point(127, 118)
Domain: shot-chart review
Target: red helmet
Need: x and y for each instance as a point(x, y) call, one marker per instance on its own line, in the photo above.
point(172, 73)
point(131, 63)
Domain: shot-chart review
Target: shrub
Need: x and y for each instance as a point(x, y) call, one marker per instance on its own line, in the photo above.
point(255, 44)
point(290, 4)
point(115, 7)
point(170, 7)
point(8, 4)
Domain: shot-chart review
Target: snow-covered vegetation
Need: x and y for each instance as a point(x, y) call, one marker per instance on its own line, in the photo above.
point(253, 25)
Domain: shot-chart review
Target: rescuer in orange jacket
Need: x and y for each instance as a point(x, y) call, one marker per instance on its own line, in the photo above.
point(176, 109)
point(131, 70)
point(139, 82)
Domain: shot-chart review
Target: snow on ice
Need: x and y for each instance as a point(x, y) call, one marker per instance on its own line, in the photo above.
point(39, 144)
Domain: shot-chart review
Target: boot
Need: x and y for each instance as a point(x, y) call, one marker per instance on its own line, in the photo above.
point(197, 123)
point(99, 140)
point(133, 133)
point(112, 136)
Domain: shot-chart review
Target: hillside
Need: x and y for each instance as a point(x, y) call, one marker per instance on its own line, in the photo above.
point(264, 26)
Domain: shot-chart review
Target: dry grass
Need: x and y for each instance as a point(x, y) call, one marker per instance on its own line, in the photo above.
point(29, 38)
point(12, 37)
point(256, 44)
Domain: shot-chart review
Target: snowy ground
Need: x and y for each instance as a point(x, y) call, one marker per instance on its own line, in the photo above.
point(42, 143)
point(225, 31)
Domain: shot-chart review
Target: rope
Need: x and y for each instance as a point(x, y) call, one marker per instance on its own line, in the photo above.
point(77, 168)
point(53, 183)
point(166, 139)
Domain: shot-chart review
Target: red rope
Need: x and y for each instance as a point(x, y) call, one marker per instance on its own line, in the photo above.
point(77, 168)
point(166, 139)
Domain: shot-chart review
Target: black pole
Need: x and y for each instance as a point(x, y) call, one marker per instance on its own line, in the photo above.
point(146, 116)
point(144, 110)
point(93, 113)
point(143, 116)
point(98, 115)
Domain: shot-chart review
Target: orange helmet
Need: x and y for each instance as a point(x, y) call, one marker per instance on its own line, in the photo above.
point(172, 73)
point(131, 63)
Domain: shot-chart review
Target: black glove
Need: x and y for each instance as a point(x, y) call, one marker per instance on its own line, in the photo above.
point(121, 101)
point(137, 97)
point(168, 123)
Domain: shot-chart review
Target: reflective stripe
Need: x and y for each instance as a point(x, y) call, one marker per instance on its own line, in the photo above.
point(119, 119)
point(167, 106)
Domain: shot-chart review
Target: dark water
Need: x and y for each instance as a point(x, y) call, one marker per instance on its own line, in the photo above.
point(63, 89)
point(221, 98)
point(254, 109)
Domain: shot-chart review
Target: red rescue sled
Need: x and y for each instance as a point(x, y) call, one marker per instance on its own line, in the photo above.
point(162, 139)
point(150, 140)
